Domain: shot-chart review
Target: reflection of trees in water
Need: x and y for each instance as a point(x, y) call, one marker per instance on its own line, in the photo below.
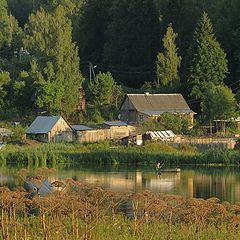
point(224, 186)
point(223, 183)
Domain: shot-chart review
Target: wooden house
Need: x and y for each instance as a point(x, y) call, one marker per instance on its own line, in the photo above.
point(137, 108)
point(50, 129)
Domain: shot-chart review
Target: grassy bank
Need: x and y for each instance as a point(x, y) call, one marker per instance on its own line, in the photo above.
point(82, 212)
point(105, 153)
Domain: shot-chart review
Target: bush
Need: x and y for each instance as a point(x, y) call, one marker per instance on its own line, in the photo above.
point(179, 124)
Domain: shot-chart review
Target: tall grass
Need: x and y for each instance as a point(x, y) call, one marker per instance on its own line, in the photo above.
point(105, 153)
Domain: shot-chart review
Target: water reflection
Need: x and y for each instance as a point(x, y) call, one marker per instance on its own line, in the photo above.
point(223, 183)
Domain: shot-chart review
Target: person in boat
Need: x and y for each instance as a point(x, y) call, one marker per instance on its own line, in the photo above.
point(158, 167)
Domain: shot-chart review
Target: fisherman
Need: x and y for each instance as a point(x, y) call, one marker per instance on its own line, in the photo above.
point(158, 167)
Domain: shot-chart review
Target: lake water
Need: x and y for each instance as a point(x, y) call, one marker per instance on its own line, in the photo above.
point(201, 182)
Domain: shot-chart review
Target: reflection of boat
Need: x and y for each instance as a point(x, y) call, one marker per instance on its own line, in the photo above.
point(170, 170)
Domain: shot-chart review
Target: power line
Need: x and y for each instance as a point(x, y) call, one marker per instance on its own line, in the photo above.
point(133, 70)
point(234, 83)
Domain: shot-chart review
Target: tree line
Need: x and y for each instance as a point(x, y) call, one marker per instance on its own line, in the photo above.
point(47, 49)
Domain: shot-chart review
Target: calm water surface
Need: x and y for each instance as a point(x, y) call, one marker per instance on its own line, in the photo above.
point(223, 183)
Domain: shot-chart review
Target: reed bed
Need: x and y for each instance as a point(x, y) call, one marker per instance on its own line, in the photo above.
point(86, 212)
point(106, 153)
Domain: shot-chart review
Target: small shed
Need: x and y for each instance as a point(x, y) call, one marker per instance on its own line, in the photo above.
point(50, 129)
point(118, 129)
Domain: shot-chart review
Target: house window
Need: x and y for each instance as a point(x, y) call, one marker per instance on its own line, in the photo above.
point(140, 118)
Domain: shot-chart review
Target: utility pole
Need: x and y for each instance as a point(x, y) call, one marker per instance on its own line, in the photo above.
point(91, 71)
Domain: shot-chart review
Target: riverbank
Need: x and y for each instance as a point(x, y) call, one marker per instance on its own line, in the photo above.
point(107, 153)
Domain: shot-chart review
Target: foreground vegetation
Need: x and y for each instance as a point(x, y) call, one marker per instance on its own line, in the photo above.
point(79, 211)
point(107, 153)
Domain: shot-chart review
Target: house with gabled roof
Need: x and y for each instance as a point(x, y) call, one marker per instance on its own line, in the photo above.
point(137, 108)
point(50, 129)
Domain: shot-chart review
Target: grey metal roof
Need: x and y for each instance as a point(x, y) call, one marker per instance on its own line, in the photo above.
point(42, 124)
point(115, 123)
point(159, 103)
point(81, 128)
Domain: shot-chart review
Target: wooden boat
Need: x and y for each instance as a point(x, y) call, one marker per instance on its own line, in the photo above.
point(176, 170)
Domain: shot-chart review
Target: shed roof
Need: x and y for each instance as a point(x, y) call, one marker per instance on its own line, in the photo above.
point(115, 123)
point(81, 128)
point(42, 124)
point(155, 104)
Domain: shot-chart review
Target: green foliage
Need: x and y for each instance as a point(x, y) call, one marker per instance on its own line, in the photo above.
point(48, 92)
point(55, 64)
point(168, 62)
point(148, 87)
point(102, 89)
point(4, 81)
point(167, 121)
point(104, 154)
point(105, 95)
point(158, 147)
point(5, 25)
point(209, 63)
point(10, 34)
point(131, 40)
point(119, 36)
point(92, 26)
point(218, 103)
point(94, 116)
point(22, 88)
point(18, 133)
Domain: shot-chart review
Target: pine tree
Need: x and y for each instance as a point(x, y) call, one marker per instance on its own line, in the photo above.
point(168, 62)
point(209, 63)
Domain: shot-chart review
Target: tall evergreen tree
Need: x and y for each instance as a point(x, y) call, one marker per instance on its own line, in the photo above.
point(209, 63)
point(55, 64)
point(168, 62)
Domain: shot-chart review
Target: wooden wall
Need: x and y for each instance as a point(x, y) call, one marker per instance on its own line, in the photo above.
point(61, 132)
point(95, 135)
